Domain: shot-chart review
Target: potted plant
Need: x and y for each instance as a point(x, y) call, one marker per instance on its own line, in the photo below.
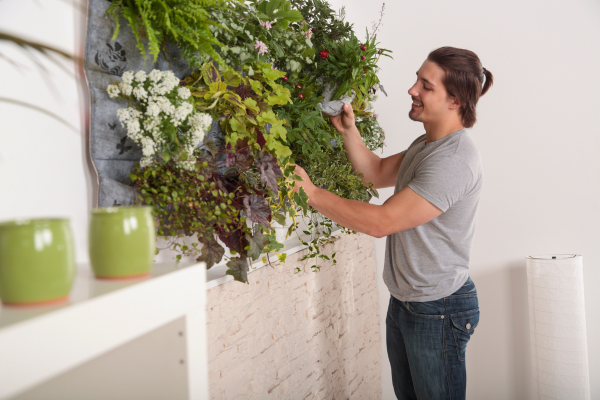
point(348, 69)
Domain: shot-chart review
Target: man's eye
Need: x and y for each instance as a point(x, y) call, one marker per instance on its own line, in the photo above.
point(426, 88)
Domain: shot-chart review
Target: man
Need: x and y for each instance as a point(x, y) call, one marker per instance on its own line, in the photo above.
point(429, 223)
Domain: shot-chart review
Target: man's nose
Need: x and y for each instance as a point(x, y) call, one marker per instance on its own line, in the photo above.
point(412, 91)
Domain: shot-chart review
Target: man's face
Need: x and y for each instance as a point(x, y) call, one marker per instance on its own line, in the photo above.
point(430, 99)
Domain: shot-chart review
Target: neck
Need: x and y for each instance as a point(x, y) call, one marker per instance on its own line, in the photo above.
point(438, 130)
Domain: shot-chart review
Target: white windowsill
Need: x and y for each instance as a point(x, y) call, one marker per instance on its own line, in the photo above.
point(217, 274)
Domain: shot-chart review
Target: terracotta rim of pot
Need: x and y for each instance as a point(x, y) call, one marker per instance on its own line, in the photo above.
point(58, 300)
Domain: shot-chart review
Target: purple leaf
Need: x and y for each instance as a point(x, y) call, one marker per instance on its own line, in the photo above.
point(269, 170)
point(232, 240)
point(212, 251)
point(244, 159)
point(260, 139)
point(257, 209)
point(230, 159)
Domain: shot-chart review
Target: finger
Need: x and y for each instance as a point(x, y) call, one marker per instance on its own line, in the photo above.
point(349, 110)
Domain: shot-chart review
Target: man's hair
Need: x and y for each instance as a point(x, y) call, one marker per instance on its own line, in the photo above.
point(463, 79)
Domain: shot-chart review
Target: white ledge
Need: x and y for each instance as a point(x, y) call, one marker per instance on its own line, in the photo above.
point(217, 275)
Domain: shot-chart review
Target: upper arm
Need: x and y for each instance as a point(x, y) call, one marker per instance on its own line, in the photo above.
point(405, 210)
point(388, 171)
point(438, 183)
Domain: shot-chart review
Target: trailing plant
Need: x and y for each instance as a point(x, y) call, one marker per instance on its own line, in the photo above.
point(232, 206)
point(186, 23)
point(318, 148)
point(372, 133)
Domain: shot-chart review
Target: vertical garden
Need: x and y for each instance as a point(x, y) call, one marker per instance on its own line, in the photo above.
point(266, 71)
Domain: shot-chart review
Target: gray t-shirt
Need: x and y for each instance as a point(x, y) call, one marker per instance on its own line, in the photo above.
point(431, 261)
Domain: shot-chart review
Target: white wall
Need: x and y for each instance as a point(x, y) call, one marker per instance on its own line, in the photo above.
point(539, 143)
point(43, 163)
point(535, 132)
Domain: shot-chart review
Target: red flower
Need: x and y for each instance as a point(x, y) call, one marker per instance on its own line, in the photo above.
point(363, 58)
point(324, 54)
point(379, 52)
point(299, 86)
point(301, 96)
point(363, 47)
point(285, 78)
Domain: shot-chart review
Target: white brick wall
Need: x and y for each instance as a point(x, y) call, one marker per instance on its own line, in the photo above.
point(299, 336)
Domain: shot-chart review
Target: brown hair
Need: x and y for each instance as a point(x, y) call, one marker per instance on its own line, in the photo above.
point(463, 79)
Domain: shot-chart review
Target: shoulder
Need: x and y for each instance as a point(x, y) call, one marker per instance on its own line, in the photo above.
point(418, 140)
point(465, 150)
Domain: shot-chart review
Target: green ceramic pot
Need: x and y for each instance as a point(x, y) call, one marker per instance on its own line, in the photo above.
point(37, 261)
point(122, 242)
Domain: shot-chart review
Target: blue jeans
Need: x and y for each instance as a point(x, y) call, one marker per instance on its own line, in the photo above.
point(426, 344)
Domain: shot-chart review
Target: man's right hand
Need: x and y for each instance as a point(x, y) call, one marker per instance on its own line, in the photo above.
point(344, 123)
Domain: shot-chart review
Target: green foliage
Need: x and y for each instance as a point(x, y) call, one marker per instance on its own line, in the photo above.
point(187, 23)
point(324, 21)
point(246, 103)
point(243, 25)
point(204, 203)
point(372, 134)
point(268, 107)
point(350, 67)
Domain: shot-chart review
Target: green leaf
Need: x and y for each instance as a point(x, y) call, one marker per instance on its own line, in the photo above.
point(257, 244)
point(301, 198)
point(273, 245)
point(238, 268)
point(279, 218)
point(282, 257)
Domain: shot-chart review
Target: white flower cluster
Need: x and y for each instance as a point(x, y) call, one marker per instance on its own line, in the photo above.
point(160, 104)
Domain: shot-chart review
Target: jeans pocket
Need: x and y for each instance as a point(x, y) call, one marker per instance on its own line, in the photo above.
point(428, 309)
point(463, 326)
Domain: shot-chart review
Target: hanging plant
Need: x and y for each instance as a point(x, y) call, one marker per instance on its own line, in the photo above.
point(351, 65)
point(264, 89)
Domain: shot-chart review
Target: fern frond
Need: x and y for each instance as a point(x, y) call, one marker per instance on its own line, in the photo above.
point(184, 22)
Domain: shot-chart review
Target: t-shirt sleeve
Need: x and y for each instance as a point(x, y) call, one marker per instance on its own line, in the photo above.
point(442, 181)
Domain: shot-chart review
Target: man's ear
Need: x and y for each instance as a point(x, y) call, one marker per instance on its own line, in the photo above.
point(454, 103)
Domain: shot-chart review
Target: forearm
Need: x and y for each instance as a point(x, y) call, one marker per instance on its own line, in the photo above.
point(362, 159)
point(352, 214)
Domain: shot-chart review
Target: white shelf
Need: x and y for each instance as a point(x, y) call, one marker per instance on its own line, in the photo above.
point(38, 344)
point(41, 343)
